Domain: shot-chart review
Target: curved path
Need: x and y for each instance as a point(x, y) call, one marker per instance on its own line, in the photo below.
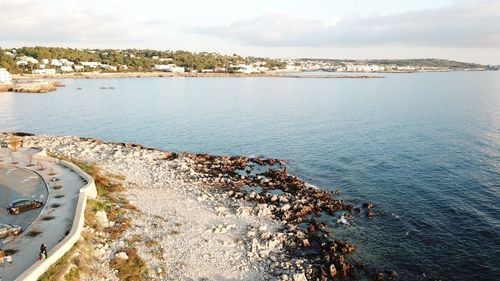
point(52, 222)
point(17, 183)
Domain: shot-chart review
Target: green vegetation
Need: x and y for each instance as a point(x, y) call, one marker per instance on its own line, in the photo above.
point(78, 262)
point(404, 62)
point(427, 63)
point(134, 59)
point(131, 269)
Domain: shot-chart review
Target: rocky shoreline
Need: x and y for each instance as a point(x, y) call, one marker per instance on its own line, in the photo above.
point(90, 75)
point(32, 87)
point(236, 218)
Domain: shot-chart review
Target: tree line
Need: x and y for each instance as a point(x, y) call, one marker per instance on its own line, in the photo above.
point(134, 59)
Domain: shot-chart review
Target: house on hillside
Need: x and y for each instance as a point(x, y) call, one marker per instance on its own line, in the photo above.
point(47, 71)
point(169, 68)
point(66, 68)
point(5, 77)
point(91, 64)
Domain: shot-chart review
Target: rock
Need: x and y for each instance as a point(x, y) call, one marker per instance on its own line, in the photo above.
point(244, 211)
point(286, 207)
point(121, 255)
point(263, 210)
point(101, 217)
point(299, 277)
point(378, 277)
point(333, 271)
point(265, 235)
point(305, 243)
point(367, 205)
point(391, 274)
point(283, 199)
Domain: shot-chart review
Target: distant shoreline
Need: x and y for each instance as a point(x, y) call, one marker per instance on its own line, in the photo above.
point(88, 75)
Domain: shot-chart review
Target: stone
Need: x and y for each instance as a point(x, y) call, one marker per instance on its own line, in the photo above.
point(299, 277)
point(367, 205)
point(102, 217)
point(121, 255)
point(333, 271)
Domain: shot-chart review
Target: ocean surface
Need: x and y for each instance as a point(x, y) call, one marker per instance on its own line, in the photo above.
point(423, 147)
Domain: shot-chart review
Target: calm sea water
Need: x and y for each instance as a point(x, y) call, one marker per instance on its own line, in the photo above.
point(425, 148)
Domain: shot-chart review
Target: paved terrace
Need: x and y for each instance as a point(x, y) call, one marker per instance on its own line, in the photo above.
point(53, 222)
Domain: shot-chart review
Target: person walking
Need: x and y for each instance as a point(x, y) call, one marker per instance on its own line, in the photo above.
point(43, 252)
point(2, 255)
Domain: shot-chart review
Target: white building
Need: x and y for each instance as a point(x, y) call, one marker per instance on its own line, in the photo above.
point(45, 61)
point(66, 68)
point(22, 62)
point(91, 64)
point(29, 59)
point(47, 71)
point(78, 67)
point(169, 68)
point(5, 77)
point(66, 62)
point(108, 67)
point(10, 54)
point(55, 62)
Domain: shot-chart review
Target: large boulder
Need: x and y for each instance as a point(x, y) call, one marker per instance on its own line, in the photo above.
point(101, 217)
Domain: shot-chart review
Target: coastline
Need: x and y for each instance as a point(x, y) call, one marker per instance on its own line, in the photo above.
point(89, 75)
point(233, 216)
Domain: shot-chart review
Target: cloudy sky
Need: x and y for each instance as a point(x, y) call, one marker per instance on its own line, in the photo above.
point(466, 30)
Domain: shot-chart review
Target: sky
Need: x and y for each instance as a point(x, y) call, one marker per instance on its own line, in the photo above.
point(464, 30)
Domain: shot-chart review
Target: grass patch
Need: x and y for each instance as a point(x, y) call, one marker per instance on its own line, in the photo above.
point(117, 176)
point(10, 252)
point(90, 216)
point(135, 238)
point(118, 230)
point(48, 218)
point(131, 269)
point(174, 232)
point(74, 274)
point(33, 233)
point(152, 243)
point(110, 200)
point(131, 207)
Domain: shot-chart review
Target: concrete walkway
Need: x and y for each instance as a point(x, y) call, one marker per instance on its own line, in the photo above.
point(18, 183)
point(54, 220)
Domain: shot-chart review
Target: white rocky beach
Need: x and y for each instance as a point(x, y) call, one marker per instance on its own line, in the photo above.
point(200, 233)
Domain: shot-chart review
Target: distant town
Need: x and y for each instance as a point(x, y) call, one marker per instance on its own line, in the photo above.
point(52, 61)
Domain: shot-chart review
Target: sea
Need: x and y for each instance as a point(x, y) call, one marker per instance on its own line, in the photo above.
point(424, 148)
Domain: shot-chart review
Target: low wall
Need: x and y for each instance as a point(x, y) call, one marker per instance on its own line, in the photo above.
point(87, 191)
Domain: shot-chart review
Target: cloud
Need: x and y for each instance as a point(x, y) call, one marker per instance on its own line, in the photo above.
point(33, 21)
point(472, 24)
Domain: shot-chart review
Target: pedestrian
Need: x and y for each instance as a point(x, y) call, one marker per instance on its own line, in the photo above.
point(41, 256)
point(2, 255)
point(43, 252)
point(43, 248)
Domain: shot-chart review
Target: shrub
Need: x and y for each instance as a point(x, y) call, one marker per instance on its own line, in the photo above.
point(131, 269)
